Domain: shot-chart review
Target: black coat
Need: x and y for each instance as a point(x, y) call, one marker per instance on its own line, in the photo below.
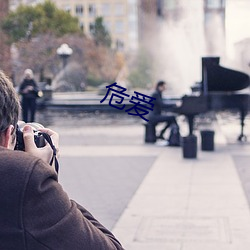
point(31, 93)
point(158, 104)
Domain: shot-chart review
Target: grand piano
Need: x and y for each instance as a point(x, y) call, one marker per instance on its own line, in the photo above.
point(220, 89)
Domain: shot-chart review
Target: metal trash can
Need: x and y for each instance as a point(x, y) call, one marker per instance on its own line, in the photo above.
point(207, 140)
point(150, 133)
point(189, 146)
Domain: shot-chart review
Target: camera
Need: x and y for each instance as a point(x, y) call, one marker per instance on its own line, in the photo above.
point(38, 137)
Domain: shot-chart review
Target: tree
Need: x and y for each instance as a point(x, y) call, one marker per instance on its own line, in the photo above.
point(93, 64)
point(100, 33)
point(42, 18)
point(5, 63)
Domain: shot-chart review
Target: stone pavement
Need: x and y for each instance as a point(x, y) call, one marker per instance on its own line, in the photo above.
point(184, 204)
point(189, 204)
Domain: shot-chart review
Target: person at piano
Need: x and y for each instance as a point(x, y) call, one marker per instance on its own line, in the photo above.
point(156, 116)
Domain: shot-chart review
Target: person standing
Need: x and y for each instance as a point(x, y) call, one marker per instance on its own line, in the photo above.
point(29, 92)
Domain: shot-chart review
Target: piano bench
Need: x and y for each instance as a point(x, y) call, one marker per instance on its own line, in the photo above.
point(150, 132)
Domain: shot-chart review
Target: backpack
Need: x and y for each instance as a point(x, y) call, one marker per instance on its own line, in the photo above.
point(174, 136)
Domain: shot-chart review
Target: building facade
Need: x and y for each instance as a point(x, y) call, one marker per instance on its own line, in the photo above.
point(120, 18)
point(147, 10)
point(176, 11)
point(15, 3)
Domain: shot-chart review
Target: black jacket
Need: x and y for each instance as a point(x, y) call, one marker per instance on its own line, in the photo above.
point(158, 104)
point(32, 93)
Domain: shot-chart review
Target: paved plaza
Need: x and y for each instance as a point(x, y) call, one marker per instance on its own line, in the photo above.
point(149, 195)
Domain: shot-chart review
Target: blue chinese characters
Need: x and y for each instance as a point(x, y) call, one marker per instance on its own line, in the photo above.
point(142, 104)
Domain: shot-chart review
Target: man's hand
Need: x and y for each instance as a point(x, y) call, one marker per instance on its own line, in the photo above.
point(45, 153)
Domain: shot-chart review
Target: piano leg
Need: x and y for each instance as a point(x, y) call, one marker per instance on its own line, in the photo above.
point(243, 114)
point(190, 123)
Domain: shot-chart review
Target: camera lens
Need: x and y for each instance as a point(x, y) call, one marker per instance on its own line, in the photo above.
point(38, 137)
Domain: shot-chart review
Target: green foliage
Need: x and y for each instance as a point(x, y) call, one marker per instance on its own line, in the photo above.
point(100, 33)
point(42, 18)
point(93, 81)
point(140, 76)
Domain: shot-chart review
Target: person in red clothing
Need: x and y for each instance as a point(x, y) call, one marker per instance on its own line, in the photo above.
point(35, 212)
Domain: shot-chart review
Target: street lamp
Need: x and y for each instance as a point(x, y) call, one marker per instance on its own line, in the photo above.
point(64, 51)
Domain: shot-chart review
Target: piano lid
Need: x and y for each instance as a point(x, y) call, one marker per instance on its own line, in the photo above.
point(218, 78)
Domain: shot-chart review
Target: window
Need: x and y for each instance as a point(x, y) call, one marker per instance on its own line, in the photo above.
point(105, 9)
point(119, 26)
point(92, 10)
point(91, 27)
point(79, 10)
point(119, 9)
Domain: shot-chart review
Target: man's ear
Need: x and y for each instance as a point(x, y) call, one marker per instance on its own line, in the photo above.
point(7, 140)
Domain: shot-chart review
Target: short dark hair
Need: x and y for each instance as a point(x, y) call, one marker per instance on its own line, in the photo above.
point(159, 84)
point(9, 104)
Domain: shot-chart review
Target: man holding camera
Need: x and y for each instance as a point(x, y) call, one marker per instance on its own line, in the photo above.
point(35, 212)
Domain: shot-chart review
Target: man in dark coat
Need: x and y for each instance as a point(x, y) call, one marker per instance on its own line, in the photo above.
point(156, 115)
point(35, 212)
